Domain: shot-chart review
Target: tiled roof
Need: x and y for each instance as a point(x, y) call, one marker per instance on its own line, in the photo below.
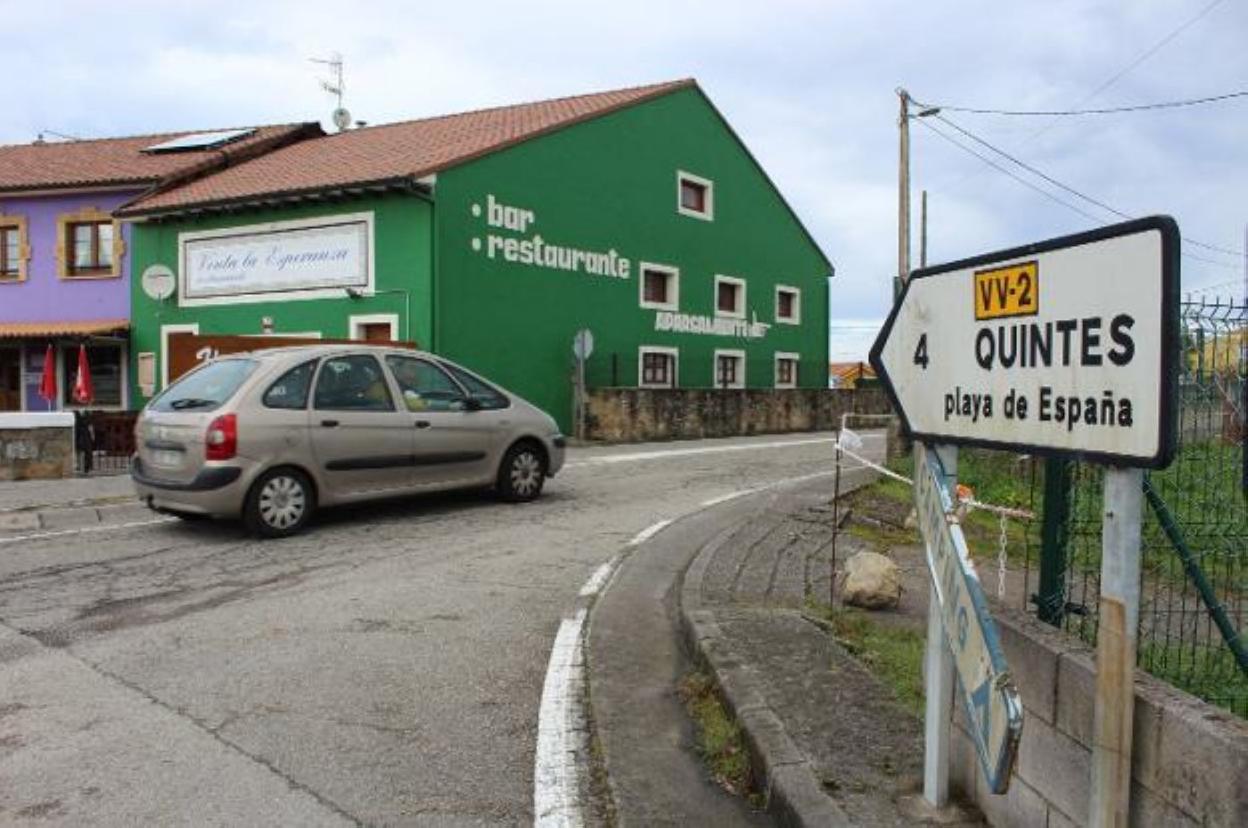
point(19, 330)
point(115, 161)
point(390, 153)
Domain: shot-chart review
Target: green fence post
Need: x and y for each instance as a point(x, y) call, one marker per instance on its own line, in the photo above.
point(1054, 533)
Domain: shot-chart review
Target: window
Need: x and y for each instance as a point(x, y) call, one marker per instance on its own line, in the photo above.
point(105, 365)
point(13, 250)
point(657, 367)
point(206, 387)
point(695, 196)
point(352, 383)
point(786, 370)
point(729, 297)
point(660, 287)
point(90, 245)
point(730, 369)
point(291, 388)
point(788, 305)
point(425, 386)
point(374, 327)
point(487, 395)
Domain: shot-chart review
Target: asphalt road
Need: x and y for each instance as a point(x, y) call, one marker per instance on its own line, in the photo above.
point(384, 667)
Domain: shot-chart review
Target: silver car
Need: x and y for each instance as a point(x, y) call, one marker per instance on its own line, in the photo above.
point(270, 436)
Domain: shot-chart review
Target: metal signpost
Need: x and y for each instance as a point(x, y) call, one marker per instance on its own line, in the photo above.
point(1065, 348)
point(582, 348)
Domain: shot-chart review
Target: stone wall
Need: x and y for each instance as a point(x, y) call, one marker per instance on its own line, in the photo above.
point(36, 446)
point(621, 415)
point(1190, 759)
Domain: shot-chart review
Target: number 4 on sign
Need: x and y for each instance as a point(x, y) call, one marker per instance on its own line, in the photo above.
point(920, 352)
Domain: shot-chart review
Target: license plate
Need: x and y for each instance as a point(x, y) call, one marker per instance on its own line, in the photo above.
point(166, 457)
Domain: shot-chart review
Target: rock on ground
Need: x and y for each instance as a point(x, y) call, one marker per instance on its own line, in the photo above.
point(871, 581)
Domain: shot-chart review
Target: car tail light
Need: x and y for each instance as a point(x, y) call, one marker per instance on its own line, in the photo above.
point(221, 441)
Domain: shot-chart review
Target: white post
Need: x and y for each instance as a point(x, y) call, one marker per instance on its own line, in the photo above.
point(938, 672)
point(1115, 648)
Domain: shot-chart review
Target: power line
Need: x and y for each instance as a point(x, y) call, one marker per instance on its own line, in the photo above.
point(1106, 111)
point(1034, 171)
point(1010, 173)
point(1030, 185)
point(1152, 50)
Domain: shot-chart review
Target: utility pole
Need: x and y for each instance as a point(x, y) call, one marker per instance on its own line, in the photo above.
point(903, 189)
point(923, 230)
point(938, 711)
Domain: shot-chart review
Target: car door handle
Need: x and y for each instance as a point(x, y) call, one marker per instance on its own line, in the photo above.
point(329, 423)
point(423, 424)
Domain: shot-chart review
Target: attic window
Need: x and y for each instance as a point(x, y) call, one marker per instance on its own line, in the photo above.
point(695, 196)
point(199, 141)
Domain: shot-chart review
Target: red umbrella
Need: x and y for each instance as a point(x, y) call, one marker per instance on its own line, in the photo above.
point(47, 383)
point(84, 391)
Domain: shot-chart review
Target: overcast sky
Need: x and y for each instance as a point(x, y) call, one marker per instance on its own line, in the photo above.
point(809, 86)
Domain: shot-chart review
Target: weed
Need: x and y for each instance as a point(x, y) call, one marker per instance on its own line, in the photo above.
point(719, 738)
point(893, 653)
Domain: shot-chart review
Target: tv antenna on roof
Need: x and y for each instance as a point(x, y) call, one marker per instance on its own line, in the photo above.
point(335, 87)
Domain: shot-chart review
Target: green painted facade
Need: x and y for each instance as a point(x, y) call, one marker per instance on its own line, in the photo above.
point(605, 185)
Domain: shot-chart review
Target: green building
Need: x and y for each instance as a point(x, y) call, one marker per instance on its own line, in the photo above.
point(491, 237)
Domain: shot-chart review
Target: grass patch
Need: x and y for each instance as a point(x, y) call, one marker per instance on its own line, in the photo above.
point(719, 739)
point(893, 653)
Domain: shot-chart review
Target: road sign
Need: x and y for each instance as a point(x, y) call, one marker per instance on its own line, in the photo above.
point(993, 709)
point(583, 343)
point(1068, 346)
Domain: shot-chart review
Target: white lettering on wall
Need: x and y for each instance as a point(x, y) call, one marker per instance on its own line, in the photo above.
point(708, 326)
point(536, 251)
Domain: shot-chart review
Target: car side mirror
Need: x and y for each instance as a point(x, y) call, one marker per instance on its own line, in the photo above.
point(472, 404)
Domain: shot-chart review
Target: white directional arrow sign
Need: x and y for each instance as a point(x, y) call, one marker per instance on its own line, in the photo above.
point(1068, 346)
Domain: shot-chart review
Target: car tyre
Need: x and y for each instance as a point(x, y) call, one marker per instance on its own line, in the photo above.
point(522, 473)
point(279, 504)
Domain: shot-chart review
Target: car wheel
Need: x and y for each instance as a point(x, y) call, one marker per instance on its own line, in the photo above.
point(522, 473)
point(279, 503)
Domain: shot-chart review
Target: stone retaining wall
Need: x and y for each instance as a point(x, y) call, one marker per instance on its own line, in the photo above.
point(36, 446)
point(625, 415)
point(1190, 759)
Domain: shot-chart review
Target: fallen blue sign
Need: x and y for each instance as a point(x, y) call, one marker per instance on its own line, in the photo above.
point(993, 709)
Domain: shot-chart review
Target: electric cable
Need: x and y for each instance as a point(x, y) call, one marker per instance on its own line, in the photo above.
point(1067, 112)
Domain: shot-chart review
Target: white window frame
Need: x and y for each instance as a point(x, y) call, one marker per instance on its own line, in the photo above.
point(355, 324)
point(796, 318)
point(739, 313)
point(673, 293)
point(708, 184)
point(728, 352)
point(797, 361)
point(165, 330)
point(674, 353)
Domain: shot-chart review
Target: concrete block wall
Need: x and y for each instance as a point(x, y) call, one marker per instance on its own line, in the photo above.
point(1189, 762)
point(36, 446)
point(635, 414)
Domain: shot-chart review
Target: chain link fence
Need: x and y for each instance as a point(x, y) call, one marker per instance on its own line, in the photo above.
point(1194, 595)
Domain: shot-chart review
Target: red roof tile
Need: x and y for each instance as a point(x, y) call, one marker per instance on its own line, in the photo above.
point(114, 161)
point(390, 152)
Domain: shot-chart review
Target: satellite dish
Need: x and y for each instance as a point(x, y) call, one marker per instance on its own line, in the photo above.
point(158, 282)
point(342, 118)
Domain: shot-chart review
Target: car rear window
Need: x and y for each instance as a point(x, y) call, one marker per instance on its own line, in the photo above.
point(207, 388)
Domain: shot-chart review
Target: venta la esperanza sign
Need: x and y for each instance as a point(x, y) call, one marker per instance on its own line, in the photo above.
point(284, 257)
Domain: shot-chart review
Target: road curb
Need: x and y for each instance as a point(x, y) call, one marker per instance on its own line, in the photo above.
point(105, 511)
point(790, 784)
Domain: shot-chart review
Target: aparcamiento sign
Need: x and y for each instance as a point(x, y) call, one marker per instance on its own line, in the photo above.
point(1068, 346)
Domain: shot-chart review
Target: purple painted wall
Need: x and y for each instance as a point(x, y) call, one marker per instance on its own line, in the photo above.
point(45, 298)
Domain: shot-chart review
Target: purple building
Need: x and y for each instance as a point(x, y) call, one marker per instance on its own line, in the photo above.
point(65, 263)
